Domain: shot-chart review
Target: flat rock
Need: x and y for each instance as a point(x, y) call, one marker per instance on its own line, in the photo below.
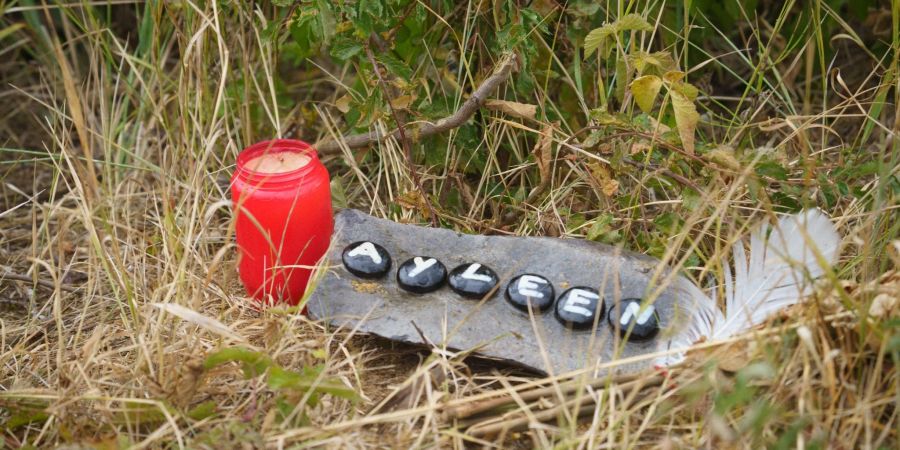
point(494, 327)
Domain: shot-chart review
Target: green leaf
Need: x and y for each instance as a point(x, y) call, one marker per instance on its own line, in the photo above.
point(375, 8)
point(686, 89)
point(673, 76)
point(368, 13)
point(25, 417)
point(632, 21)
point(311, 378)
point(345, 48)
point(686, 118)
point(772, 170)
point(338, 194)
point(652, 63)
point(396, 66)
point(602, 38)
point(667, 222)
point(600, 228)
point(603, 117)
point(327, 23)
point(203, 410)
point(304, 30)
point(253, 363)
point(645, 90)
point(599, 39)
point(143, 413)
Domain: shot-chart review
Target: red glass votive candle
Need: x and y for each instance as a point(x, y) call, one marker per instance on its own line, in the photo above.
point(282, 202)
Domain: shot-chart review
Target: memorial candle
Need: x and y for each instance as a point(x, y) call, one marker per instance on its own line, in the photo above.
point(282, 202)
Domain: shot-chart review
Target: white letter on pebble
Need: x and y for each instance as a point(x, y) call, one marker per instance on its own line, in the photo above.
point(579, 297)
point(470, 274)
point(421, 265)
point(527, 285)
point(366, 248)
point(632, 310)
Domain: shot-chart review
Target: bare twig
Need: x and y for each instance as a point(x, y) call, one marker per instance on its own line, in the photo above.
point(409, 395)
point(42, 283)
point(508, 63)
point(404, 141)
point(463, 411)
point(586, 405)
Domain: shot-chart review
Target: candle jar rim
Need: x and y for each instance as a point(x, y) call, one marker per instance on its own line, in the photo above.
point(268, 179)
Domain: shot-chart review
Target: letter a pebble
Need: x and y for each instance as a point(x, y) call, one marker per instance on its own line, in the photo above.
point(366, 259)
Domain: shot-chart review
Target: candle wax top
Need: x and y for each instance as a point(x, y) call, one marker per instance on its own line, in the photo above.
point(278, 162)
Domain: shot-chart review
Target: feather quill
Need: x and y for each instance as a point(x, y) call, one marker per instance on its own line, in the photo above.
point(784, 260)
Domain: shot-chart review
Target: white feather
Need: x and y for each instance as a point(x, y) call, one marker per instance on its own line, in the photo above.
point(784, 260)
point(701, 315)
point(780, 271)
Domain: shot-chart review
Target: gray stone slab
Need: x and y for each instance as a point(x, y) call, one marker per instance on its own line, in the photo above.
point(496, 328)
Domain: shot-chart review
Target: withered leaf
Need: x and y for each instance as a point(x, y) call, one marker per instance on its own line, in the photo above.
point(515, 109)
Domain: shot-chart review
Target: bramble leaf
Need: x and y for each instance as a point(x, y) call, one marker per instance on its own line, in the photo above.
point(515, 109)
point(673, 76)
point(645, 90)
point(602, 38)
point(632, 21)
point(656, 63)
point(345, 48)
point(598, 39)
point(686, 118)
point(396, 66)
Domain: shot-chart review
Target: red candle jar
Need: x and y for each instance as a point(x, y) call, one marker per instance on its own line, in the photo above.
point(282, 203)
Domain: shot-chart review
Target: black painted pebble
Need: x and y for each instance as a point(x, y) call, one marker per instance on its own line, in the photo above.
point(577, 307)
point(530, 288)
point(627, 314)
point(366, 259)
point(473, 280)
point(421, 274)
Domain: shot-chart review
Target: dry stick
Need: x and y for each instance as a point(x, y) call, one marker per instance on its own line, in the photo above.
point(494, 426)
point(407, 151)
point(634, 387)
point(42, 283)
point(563, 380)
point(506, 65)
point(468, 410)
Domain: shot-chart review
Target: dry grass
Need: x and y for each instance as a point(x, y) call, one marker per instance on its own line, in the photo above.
point(113, 201)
